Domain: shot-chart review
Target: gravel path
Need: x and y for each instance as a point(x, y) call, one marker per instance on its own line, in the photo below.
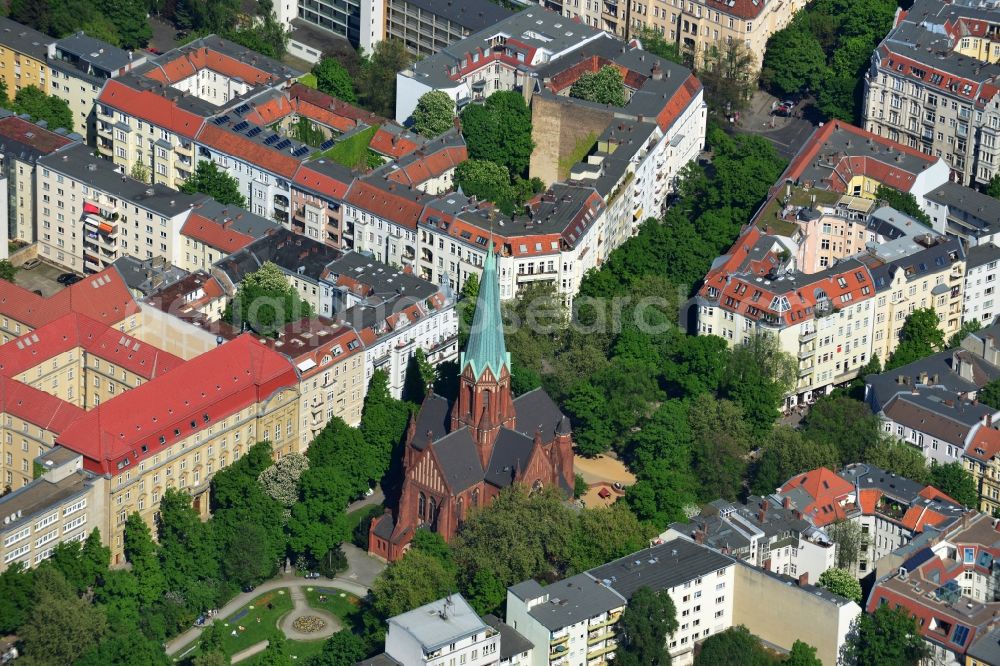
point(303, 609)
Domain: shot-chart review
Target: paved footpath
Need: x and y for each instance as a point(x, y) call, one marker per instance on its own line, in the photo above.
point(286, 581)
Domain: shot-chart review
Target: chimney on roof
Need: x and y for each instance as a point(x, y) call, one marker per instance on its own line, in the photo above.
point(699, 536)
point(803, 579)
point(787, 502)
point(657, 72)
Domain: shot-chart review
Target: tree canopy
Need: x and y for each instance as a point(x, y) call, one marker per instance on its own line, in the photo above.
point(434, 114)
point(334, 79)
point(266, 302)
point(888, 637)
point(842, 582)
point(904, 202)
point(605, 86)
point(648, 620)
point(953, 480)
point(499, 131)
point(53, 110)
point(209, 179)
point(378, 76)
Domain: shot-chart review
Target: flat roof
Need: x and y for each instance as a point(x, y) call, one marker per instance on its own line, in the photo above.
point(472, 15)
point(661, 567)
point(968, 205)
point(95, 51)
point(572, 600)
point(39, 496)
point(78, 162)
point(440, 622)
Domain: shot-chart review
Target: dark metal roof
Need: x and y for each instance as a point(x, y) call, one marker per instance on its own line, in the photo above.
point(511, 642)
point(535, 409)
point(510, 453)
point(660, 568)
point(432, 421)
point(459, 460)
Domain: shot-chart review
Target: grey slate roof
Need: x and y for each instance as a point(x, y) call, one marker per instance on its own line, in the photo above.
point(288, 250)
point(21, 38)
point(536, 408)
point(968, 205)
point(986, 649)
point(660, 568)
point(472, 15)
point(511, 642)
point(379, 660)
point(980, 255)
point(432, 420)
point(87, 57)
point(571, 600)
point(459, 460)
point(940, 366)
point(78, 162)
point(147, 275)
point(510, 453)
point(239, 219)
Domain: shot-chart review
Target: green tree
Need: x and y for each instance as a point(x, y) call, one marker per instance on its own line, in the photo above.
point(735, 646)
point(802, 654)
point(188, 554)
point(307, 132)
point(842, 582)
point(499, 131)
point(729, 76)
point(968, 327)
point(648, 620)
point(378, 76)
point(420, 377)
point(887, 637)
point(341, 649)
point(266, 302)
point(604, 534)
point(845, 423)
point(721, 440)
point(487, 181)
point(209, 179)
point(411, 581)
point(848, 538)
point(954, 481)
point(757, 377)
point(788, 453)
point(7, 270)
point(281, 480)
point(130, 20)
point(793, 61)
point(904, 202)
point(993, 188)
point(990, 394)
point(141, 553)
point(434, 114)
point(125, 650)
point(54, 111)
point(383, 424)
point(16, 597)
point(61, 626)
point(898, 457)
point(605, 86)
point(334, 79)
point(653, 42)
point(139, 172)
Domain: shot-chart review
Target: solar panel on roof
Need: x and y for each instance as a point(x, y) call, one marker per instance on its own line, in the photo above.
point(326, 144)
point(254, 131)
point(284, 143)
point(301, 150)
point(961, 634)
point(242, 125)
point(221, 120)
point(271, 139)
point(241, 109)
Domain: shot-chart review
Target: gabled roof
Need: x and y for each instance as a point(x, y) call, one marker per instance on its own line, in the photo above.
point(249, 151)
point(103, 297)
point(458, 460)
point(149, 106)
point(215, 235)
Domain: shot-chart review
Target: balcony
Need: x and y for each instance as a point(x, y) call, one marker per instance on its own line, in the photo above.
point(806, 370)
point(807, 336)
point(558, 639)
point(593, 640)
point(281, 200)
point(807, 352)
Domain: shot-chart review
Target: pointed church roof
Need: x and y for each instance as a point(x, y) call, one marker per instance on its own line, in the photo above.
point(486, 347)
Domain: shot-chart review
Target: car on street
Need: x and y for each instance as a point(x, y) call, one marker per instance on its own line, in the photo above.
point(248, 588)
point(312, 575)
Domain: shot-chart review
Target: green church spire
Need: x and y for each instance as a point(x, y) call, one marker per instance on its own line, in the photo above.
point(486, 347)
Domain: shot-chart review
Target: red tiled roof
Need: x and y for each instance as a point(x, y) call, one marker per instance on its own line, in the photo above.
point(103, 297)
point(827, 489)
point(985, 444)
point(213, 234)
point(36, 407)
point(151, 107)
point(678, 102)
point(273, 109)
point(28, 133)
point(204, 390)
point(430, 166)
point(393, 145)
point(383, 203)
point(321, 182)
point(868, 499)
point(318, 99)
point(191, 61)
point(743, 9)
point(248, 150)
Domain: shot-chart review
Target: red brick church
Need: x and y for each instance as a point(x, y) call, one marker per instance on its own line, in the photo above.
point(459, 455)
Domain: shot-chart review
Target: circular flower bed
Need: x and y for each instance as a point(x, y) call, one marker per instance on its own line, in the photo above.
point(308, 624)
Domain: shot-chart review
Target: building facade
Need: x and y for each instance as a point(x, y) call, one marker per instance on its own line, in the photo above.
point(427, 26)
point(22, 62)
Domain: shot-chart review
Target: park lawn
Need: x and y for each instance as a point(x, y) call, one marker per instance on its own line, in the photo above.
point(347, 607)
point(299, 650)
point(308, 79)
point(352, 151)
point(255, 632)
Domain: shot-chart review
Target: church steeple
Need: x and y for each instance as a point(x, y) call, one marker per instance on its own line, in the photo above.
point(485, 404)
point(486, 347)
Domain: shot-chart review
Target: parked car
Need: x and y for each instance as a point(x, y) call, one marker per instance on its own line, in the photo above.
point(312, 575)
point(31, 263)
point(72, 280)
point(248, 588)
point(68, 278)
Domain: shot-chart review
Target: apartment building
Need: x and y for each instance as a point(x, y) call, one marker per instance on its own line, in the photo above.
point(572, 622)
point(90, 214)
point(153, 114)
point(428, 26)
point(213, 231)
point(963, 212)
point(22, 143)
point(500, 57)
point(313, 23)
point(696, 27)
point(890, 509)
point(145, 277)
point(949, 585)
point(772, 536)
point(79, 66)
point(63, 504)
point(198, 299)
point(440, 632)
point(23, 51)
point(979, 298)
point(932, 86)
point(330, 361)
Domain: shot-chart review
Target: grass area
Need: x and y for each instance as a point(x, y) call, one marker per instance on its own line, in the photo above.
point(346, 607)
point(580, 150)
point(308, 79)
point(297, 650)
point(254, 631)
point(800, 197)
point(351, 152)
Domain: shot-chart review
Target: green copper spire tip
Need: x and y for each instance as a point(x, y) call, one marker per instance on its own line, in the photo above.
point(486, 347)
